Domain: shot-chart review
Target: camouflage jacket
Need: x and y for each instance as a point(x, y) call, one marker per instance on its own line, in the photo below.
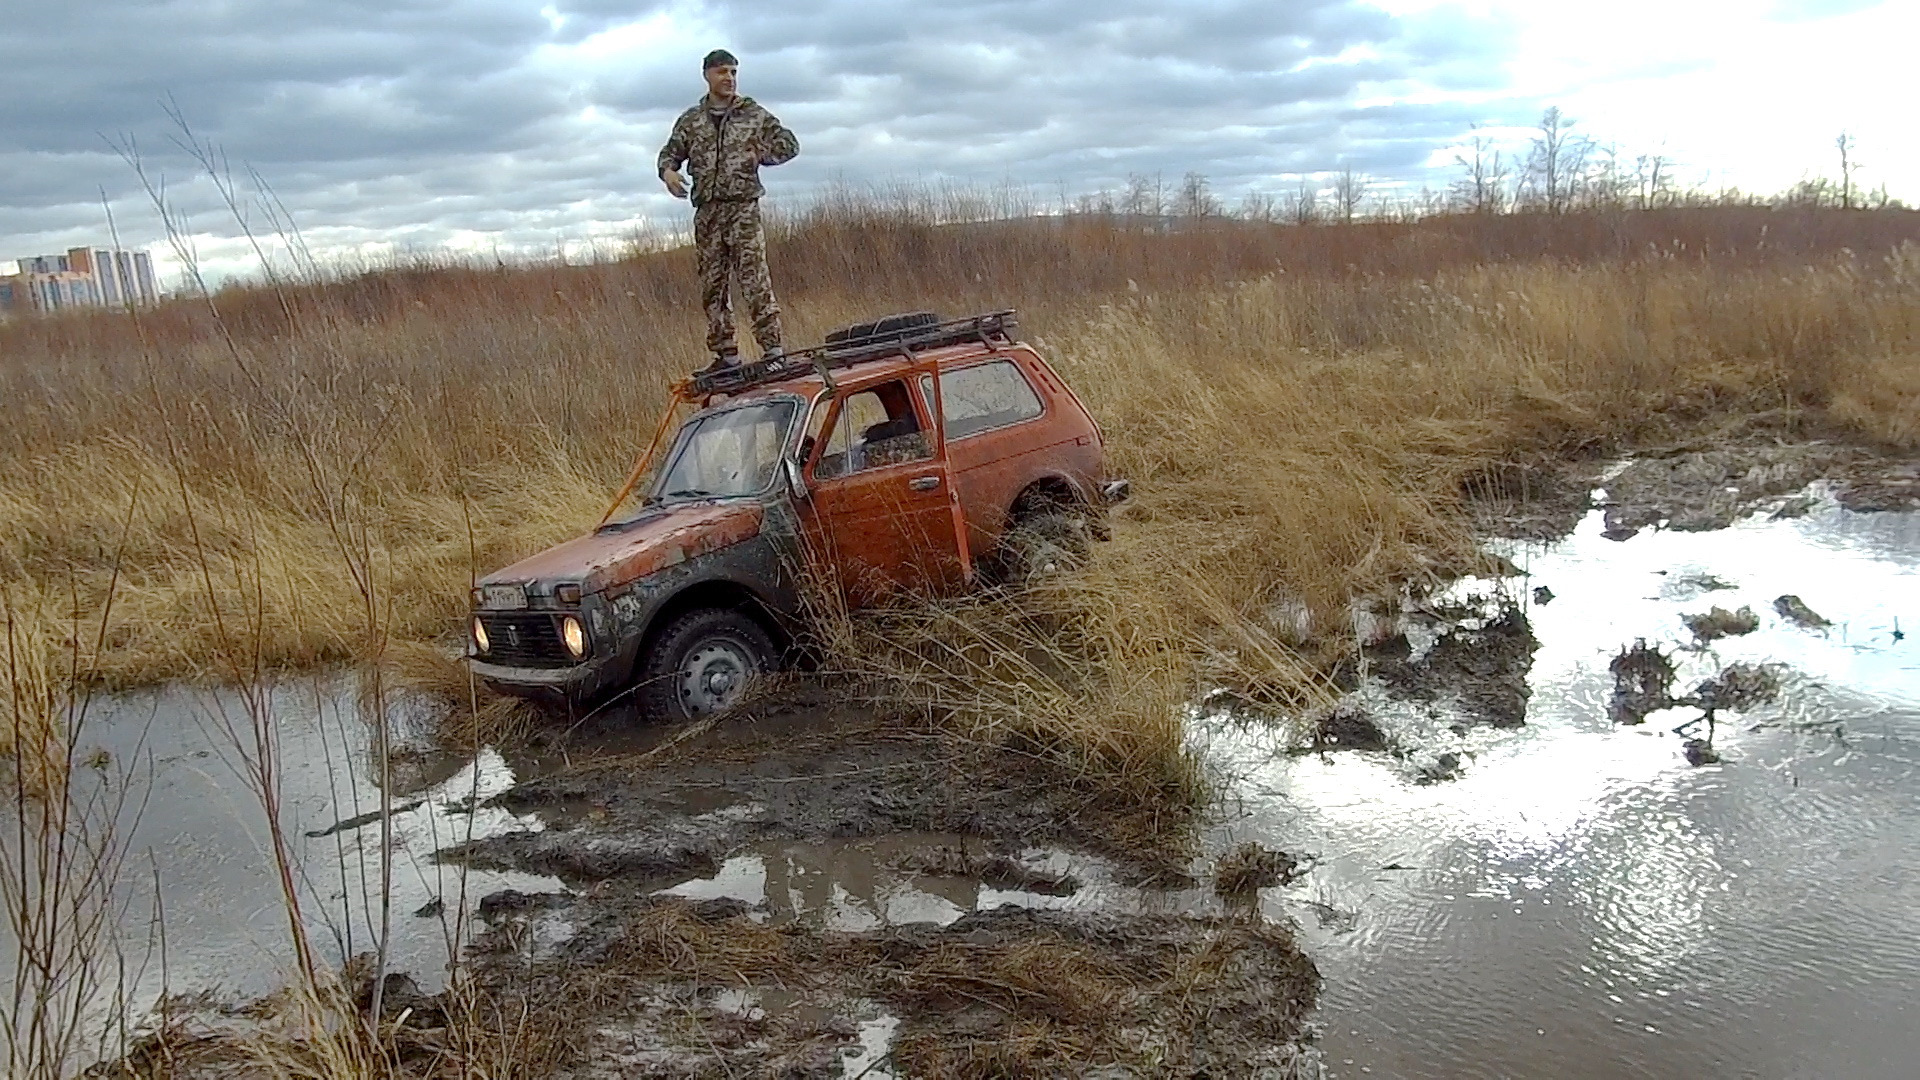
point(726, 156)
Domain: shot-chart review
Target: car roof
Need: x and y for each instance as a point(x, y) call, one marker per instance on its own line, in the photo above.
point(810, 384)
point(864, 350)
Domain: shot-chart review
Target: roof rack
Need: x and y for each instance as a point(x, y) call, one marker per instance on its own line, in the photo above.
point(997, 327)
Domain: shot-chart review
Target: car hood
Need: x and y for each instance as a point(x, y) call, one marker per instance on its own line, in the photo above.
point(653, 541)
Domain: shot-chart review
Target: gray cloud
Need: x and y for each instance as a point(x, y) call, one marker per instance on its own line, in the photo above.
point(415, 121)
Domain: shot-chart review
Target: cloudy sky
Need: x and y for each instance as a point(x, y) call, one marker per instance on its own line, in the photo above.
point(524, 125)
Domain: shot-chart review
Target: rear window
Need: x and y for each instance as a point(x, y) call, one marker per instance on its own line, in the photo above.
point(982, 397)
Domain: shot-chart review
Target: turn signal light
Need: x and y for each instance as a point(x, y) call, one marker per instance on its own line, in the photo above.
point(567, 594)
point(574, 635)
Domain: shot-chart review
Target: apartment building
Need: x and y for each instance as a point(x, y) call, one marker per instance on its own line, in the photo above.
point(83, 277)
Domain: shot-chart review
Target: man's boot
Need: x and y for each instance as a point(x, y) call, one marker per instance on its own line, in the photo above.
point(773, 355)
point(721, 362)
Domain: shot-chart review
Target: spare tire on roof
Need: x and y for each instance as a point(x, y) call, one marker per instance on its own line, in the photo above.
point(892, 324)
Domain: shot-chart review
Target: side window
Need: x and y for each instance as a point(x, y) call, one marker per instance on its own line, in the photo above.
point(983, 396)
point(877, 427)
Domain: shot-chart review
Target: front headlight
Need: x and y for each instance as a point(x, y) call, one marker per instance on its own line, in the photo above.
point(480, 635)
point(574, 635)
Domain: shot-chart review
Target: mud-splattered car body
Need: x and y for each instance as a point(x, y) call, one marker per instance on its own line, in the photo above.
point(902, 464)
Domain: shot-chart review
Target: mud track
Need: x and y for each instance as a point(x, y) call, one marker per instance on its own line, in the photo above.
point(652, 983)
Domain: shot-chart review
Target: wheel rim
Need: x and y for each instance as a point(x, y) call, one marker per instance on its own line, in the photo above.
point(715, 674)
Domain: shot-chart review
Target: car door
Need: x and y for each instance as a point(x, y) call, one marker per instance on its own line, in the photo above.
point(880, 516)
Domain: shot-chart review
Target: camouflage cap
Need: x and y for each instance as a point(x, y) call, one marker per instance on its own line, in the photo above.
point(719, 58)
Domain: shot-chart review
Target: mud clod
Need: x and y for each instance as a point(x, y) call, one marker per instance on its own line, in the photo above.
point(1444, 766)
point(581, 858)
point(514, 902)
point(1689, 586)
point(1642, 683)
point(1347, 726)
point(1542, 595)
point(1483, 670)
point(1699, 752)
point(1738, 688)
point(1719, 622)
point(1250, 868)
point(1795, 610)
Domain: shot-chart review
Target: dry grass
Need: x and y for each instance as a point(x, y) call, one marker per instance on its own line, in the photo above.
point(326, 465)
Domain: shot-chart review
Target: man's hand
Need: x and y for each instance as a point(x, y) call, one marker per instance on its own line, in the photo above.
point(671, 178)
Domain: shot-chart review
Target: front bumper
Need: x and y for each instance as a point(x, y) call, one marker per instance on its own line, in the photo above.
point(580, 682)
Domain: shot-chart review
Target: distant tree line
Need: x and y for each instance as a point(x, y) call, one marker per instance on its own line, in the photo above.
point(1560, 170)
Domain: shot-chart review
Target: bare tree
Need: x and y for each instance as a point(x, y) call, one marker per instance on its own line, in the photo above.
point(1146, 196)
point(1557, 164)
point(1482, 188)
point(1259, 206)
point(1653, 181)
point(1196, 198)
point(1848, 167)
point(1096, 202)
point(1605, 183)
point(1301, 206)
point(1348, 189)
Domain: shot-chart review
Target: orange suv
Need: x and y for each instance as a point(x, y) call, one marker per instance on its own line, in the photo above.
point(905, 454)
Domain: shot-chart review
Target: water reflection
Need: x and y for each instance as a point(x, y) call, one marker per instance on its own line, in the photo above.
point(1580, 901)
point(200, 877)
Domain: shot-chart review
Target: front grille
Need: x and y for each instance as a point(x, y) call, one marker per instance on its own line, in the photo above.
point(524, 639)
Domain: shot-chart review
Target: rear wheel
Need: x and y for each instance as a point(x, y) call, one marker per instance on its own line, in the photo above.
point(703, 663)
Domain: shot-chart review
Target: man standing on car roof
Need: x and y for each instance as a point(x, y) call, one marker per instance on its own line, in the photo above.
point(725, 139)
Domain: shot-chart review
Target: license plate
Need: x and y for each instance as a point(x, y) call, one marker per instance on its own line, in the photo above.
point(503, 596)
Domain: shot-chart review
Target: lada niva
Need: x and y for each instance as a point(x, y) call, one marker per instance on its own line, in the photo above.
point(905, 455)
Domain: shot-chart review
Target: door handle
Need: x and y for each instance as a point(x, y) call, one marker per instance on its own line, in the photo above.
point(924, 483)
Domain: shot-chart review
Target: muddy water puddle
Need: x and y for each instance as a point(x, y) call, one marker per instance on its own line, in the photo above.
point(925, 878)
point(1518, 885)
point(1573, 897)
point(201, 906)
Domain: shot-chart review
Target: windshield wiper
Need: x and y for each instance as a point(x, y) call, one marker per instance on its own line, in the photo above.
point(685, 493)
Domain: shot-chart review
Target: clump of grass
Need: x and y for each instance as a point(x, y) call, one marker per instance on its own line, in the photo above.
point(33, 699)
point(1718, 622)
point(1642, 683)
point(1250, 867)
point(714, 943)
point(1739, 687)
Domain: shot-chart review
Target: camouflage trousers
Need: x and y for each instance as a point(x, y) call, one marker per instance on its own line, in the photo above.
point(733, 250)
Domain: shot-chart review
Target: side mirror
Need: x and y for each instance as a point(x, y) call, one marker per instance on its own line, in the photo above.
point(796, 483)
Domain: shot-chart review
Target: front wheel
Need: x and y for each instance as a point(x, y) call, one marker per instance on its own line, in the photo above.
point(1039, 547)
point(703, 663)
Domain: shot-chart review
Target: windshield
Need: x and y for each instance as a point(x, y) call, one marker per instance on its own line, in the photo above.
point(730, 452)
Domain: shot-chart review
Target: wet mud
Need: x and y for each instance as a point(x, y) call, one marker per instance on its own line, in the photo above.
point(667, 986)
point(1688, 490)
point(753, 905)
point(844, 776)
point(1475, 666)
